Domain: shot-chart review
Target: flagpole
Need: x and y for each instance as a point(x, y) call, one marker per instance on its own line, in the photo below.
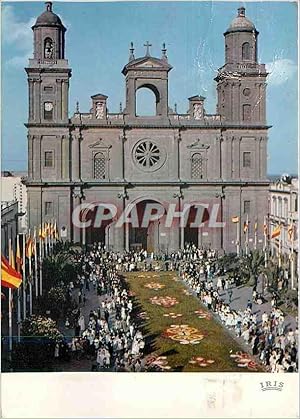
point(24, 277)
point(237, 238)
point(41, 261)
point(247, 236)
point(51, 236)
point(19, 297)
point(10, 325)
point(292, 256)
point(30, 281)
point(46, 241)
point(265, 242)
point(10, 338)
point(255, 234)
point(279, 252)
point(35, 265)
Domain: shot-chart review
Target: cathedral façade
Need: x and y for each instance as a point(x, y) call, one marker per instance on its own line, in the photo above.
point(170, 158)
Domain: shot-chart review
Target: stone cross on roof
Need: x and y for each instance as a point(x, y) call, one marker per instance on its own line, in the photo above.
point(147, 45)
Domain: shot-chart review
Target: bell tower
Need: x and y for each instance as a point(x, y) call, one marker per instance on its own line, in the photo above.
point(148, 72)
point(242, 80)
point(48, 72)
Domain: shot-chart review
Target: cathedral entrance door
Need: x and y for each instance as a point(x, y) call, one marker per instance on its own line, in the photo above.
point(145, 237)
point(191, 236)
point(138, 238)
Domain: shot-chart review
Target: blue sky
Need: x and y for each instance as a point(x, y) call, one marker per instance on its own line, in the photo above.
point(97, 46)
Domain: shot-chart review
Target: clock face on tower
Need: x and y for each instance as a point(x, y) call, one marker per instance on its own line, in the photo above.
point(48, 106)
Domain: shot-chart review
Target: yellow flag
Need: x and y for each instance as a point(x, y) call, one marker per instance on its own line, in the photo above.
point(11, 256)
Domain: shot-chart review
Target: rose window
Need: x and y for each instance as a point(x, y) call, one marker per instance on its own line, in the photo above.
point(148, 156)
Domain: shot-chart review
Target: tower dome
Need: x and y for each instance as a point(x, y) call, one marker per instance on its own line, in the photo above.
point(240, 23)
point(48, 18)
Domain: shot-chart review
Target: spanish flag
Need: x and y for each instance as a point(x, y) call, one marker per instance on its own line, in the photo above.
point(29, 248)
point(276, 232)
point(56, 235)
point(235, 219)
point(42, 232)
point(47, 229)
point(19, 260)
point(246, 225)
point(291, 232)
point(11, 256)
point(10, 278)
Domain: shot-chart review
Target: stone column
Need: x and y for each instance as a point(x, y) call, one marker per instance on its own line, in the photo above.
point(75, 156)
point(30, 155)
point(224, 146)
point(262, 103)
point(31, 98)
point(178, 162)
point(65, 157)
point(236, 158)
point(37, 100)
point(130, 100)
point(257, 158)
point(217, 165)
point(76, 197)
point(263, 157)
point(59, 99)
point(38, 157)
point(236, 110)
point(64, 103)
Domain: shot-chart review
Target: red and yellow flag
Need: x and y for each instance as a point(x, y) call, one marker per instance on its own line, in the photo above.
point(29, 248)
point(11, 256)
point(19, 260)
point(235, 219)
point(291, 232)
point(276, 232)
point(56, 235)
point(265, 229)
point(10, 278)
point(246, 225)
point(42, 232)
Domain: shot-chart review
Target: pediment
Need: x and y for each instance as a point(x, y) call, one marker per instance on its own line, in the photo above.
point(198, 145)
point(147, 63)
point(99, 144)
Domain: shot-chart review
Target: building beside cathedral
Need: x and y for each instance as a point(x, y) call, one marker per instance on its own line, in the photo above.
point(168, 158)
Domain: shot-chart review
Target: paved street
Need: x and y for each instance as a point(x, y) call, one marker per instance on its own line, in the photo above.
point(240, 296)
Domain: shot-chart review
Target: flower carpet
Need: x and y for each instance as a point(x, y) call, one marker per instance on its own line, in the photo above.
point(156, 286)
point(164, 301)
point(178, 335)
point(183, 334)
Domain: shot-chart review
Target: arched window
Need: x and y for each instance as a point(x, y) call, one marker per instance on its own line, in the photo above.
point(197, 166)
point(279, 207)
point(99, 166)
point(284, 208)
point(48, 48)
point(145, 102)
point(246, 51)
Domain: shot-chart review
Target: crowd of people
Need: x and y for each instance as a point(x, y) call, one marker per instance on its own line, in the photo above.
point(270, 340)
point(111, 337)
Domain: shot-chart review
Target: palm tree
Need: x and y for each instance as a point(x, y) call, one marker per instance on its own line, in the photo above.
point(252, 266)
